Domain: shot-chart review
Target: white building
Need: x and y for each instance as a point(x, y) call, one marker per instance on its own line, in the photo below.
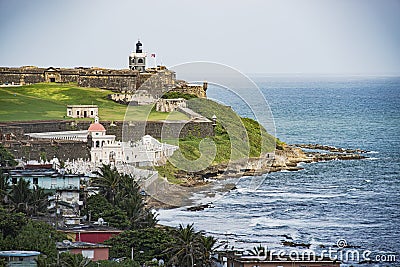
point(147, 151)
point(82, 111)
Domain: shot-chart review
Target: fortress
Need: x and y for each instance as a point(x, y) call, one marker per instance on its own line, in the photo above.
point(137, 85)
point(127, 81)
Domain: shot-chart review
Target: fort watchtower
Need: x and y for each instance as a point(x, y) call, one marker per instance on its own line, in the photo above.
point(137, 59)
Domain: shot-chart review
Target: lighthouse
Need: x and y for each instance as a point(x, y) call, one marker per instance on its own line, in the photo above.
point(137, 59)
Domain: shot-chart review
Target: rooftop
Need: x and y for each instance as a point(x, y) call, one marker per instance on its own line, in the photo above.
point(66, 244)
point(18, 253)
point(96, 127)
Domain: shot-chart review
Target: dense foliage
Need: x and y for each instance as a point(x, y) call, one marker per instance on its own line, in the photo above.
point(174, 95)
point(182, 246)
point(6, 158)
point(18, 232)
point(120, 202)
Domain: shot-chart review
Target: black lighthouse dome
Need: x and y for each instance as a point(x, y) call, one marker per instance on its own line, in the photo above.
point(138, 47)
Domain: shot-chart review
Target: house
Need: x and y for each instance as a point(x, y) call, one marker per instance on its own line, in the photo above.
point(20, 258)
point(91, 233)
point(82, 111)
point(88, 250)
point(65, 188)
point(47, 179)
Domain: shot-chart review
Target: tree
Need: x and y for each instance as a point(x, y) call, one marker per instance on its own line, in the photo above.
point(145, 244)
point(190, 248)
point(10, 224)
point(39, 201)
point(108, 180)
point(44, 261)
point(73, 260)
point(6, 158)
point(20, 233)
point(185, 248)
point(20, 196)
point(207, 244)
point(139, 216)
point(99, 207)
point(130, 200)
point(39, 236)
point(4, 187)
point(123, 194)
point(28, 201)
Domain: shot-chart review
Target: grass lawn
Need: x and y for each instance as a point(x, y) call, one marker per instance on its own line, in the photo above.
point(48, 101)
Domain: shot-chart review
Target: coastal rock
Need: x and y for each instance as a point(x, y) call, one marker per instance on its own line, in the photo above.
point(287, 158)
point(330, 148)
point(200, 207)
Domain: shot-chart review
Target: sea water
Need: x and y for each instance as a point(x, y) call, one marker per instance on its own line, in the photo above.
point(356, 200)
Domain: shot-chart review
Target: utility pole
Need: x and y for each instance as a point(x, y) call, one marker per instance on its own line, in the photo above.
point(56, 217)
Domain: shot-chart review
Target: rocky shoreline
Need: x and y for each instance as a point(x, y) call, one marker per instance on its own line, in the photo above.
point(287, 158)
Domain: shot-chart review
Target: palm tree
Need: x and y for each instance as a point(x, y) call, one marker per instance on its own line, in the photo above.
point(28, 201)
point(43, 261)
point(186, 247)
point(207, 244)
point(20, 196)
point(108, 180)
point(4, 186)
point(130, 200)
point(39, 200)
point(74, 260)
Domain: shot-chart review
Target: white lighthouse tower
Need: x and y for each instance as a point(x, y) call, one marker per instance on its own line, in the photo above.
point(137, 59)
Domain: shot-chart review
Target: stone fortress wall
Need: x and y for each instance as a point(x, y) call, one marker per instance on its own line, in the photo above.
point(120, 81)
point(12, 135)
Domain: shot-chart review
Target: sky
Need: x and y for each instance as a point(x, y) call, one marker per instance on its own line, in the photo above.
point(252, 36)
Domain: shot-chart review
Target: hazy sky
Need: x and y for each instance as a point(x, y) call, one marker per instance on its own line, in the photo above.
point(299, 36)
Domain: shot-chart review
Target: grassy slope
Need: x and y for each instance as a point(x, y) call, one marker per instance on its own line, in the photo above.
point(235, 137)
point(48, 101)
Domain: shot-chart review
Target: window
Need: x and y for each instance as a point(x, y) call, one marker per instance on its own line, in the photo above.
point(14, 180)
point(91, 112)
point(77, 113)
point(140, 60)
point(88, 254)
point(69, 112)
point(35, 180)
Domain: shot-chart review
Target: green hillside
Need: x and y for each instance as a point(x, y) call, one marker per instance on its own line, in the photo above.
point(48, 101)
point(235, 138)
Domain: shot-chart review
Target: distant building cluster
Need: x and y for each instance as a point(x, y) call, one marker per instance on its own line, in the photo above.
point(105, 149)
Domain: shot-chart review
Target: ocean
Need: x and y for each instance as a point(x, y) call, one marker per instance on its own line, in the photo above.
point(356, 201)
